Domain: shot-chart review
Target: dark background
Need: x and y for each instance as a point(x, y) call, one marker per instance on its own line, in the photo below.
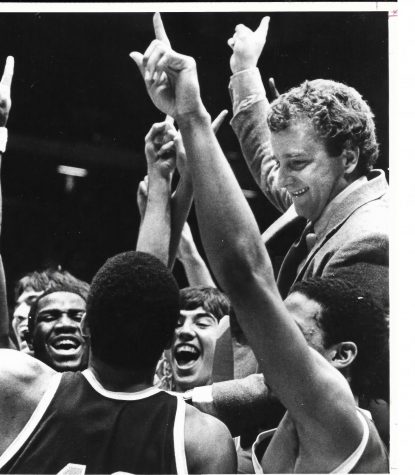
point(78, 100)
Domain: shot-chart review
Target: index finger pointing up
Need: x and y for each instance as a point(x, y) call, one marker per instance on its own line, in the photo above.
point(8, 72)
point(159, 30)
point(263, 26)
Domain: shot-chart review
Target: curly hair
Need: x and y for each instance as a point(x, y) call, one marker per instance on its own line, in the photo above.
point(132, 310)
point(349, 314)
point(338, 113)
point(50, 278)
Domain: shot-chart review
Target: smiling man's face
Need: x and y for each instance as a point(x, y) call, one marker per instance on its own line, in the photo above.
point(57, 338)
point(193, 348)
point(311, 176)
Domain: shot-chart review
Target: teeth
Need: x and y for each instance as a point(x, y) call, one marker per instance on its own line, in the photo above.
point(299, 192)
point(189, 349)
point(68, 343)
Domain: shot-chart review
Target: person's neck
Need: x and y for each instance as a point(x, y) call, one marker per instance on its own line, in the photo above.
point(114, 378)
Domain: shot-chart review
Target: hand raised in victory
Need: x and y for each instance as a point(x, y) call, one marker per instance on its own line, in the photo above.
point(170, 78)
point(247, 45)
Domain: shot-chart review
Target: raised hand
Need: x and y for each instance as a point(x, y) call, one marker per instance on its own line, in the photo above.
point(159, 154)
point(5, 86)
point(170, 78)
point(247, 45)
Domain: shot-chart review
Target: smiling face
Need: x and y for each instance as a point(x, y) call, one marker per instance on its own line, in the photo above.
point(21, 315)
point(311, 176)
point(193, 348)
point(57, 338)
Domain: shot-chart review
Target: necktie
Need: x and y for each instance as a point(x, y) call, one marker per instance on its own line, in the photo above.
point(295, 256)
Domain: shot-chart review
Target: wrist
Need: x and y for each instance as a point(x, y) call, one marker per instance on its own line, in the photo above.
point(159, 174)
point(243, 65)
point(198, 116)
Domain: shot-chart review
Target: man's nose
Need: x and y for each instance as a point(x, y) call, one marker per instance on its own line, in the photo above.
point(65, 321)
point(187, 331)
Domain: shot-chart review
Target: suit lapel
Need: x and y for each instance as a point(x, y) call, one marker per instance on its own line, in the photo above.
point(372, 190)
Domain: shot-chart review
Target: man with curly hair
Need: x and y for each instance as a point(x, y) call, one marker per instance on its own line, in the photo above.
point(312, 151)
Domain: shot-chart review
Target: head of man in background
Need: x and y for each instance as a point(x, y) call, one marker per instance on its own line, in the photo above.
point(323, 139)
point(28, 289)
point(345, 325)
point(193, 346)
point(54, 327)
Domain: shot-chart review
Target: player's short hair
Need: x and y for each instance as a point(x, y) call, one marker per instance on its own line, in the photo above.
point(132, 310)
point(210, 299)
point(350, 314)
point(338, 113)
point(50, 278)
point(73, 286)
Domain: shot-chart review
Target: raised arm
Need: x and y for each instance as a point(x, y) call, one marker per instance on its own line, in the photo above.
point(250, 108)
point(5, 105)
point(197, 271)
point(316, 395)
point(154, 234)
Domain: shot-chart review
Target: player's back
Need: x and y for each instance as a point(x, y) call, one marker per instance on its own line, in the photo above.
point(80, 427)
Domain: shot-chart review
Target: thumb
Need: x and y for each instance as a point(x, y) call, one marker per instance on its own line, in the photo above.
point(263, 27)
point(8, 72)
point(138, 59)
point(219, 120)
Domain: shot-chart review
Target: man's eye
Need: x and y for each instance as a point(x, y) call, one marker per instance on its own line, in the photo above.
point(77, 316)
point(298, 165)
point(46, 317)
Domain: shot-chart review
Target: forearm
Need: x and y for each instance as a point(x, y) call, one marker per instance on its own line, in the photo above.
point(154, 234)
point(250, 107)
point(229, 232)
point(241, 404)
point(197, 272)
point(181, 203)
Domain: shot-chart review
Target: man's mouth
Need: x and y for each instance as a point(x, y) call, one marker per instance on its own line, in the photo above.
point(66, 345)
point(299, 192)
point(186, 356)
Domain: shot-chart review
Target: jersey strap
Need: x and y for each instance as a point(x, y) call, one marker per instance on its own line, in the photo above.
point(34, 420)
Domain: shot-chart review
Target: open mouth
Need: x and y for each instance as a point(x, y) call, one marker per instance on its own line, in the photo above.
point(186, 356)
point(299, 192)
point(66, 345)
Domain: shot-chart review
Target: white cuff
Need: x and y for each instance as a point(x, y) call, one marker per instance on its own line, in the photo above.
point(3, 139)
point(202, 397)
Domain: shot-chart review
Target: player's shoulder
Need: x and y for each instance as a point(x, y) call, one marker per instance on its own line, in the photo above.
point(18, 369)
point(209, 444)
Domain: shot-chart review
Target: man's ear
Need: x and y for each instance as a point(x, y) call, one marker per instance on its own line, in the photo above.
point(343, 354)
point(350, 158)
point(85, 328)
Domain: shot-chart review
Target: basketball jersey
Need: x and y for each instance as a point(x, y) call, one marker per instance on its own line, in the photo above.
point(80, 427)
